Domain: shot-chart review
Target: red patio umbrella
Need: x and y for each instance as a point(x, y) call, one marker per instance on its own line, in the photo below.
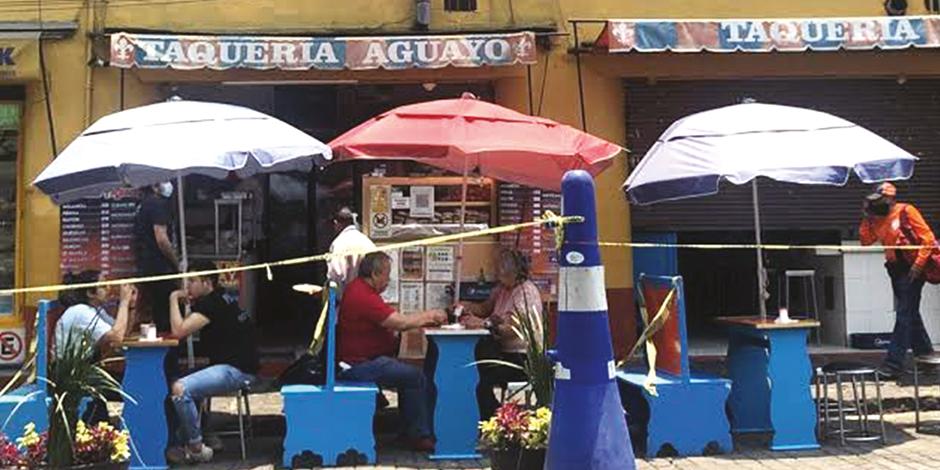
point(466, 134)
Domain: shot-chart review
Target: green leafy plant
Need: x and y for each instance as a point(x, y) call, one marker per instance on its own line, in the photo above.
point(538, 368)
point(74, 373)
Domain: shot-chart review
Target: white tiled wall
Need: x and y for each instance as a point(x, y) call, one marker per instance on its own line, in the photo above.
point(869, 303)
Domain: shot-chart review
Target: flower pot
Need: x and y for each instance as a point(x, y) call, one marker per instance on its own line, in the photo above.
point(517, 458)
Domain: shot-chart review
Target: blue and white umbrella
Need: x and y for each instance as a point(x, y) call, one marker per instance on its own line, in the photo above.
point(160, 142)
point(166, 141)
point(741, 142)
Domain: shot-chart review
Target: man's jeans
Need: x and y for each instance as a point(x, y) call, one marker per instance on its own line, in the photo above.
point(415, 391)
point(909, 331)
point(214, 380)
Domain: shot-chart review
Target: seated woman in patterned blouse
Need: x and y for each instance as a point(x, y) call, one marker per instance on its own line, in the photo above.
point(514, 295)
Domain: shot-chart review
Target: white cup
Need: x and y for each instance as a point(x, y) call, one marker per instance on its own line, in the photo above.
point(148, 331)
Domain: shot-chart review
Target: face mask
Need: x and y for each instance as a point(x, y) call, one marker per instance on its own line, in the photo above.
point(879, 207)
point(165, 189)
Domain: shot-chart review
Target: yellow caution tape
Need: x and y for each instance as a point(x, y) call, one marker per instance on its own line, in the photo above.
point(768, 247)
point(650, 328)
point(436, 240)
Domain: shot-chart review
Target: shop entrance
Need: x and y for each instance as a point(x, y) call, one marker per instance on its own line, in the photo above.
point(289, 215)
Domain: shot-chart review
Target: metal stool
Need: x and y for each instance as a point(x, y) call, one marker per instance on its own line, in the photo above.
point(857, 374)
point(783, 299)
point(920, 361)
point(242, 405)
point(826, 407)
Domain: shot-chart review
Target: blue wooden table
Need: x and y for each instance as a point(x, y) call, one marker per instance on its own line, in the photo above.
point(456, 415)
point(145, 418)
point(770, 372)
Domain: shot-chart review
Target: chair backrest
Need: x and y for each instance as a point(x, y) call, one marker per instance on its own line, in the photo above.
point(671, 340)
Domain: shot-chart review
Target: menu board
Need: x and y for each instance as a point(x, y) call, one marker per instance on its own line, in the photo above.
point(98, 234)
point(520, 204)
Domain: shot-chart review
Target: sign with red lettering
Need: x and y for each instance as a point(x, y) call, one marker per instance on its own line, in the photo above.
point(154, 51)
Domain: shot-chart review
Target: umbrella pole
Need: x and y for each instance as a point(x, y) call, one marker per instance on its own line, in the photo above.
point(463, 219)
point(761, 302)
point(190, 359)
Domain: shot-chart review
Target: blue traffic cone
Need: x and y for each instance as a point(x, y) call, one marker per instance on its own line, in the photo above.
point(589, 427)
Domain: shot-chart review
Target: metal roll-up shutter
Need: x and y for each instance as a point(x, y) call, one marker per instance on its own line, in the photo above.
point(907, 113)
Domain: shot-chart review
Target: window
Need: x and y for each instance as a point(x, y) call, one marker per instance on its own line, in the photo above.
point(9, 148)
point(460, 5)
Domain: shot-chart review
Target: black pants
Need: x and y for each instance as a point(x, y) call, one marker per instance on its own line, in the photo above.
point(492, 375)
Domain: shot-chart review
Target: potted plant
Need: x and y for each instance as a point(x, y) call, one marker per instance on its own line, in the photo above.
point(75, 375)
point(516, 438)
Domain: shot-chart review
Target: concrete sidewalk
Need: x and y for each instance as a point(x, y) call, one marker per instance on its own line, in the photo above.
point(904, 448)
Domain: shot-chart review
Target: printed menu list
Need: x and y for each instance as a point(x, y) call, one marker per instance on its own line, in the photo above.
point(99, 234)
point(520, 204)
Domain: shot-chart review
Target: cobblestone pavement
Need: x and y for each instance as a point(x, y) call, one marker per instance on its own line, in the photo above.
point(904, 449)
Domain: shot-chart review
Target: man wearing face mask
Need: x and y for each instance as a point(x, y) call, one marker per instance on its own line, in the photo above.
point(155, 256)
point(889, 222)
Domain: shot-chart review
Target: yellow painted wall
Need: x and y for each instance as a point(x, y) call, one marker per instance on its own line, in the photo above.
point(75, 105)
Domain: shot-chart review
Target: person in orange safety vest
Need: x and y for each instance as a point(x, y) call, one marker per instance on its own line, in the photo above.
point(882, 223)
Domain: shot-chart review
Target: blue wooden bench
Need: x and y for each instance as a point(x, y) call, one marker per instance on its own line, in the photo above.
point(330, 424)
point(29, 403)
point(681, 409)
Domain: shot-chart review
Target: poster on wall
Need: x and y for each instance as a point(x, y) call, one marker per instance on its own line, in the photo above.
point(380, 211)
point(422, 202)
point(412, 264)
point(400, 201)
point(440, 263)
point(411, 297)
point(390, 295)
point(437, 296)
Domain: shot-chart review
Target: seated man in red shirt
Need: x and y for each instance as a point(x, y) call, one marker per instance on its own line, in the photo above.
point(366, 341)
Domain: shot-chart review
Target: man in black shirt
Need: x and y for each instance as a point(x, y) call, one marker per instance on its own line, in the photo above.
point(155, 254)
point(229, 344)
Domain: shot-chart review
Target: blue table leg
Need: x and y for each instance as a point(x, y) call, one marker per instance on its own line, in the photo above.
point(750, 388)
point(791, 406)
point(146, 419)
point(456, 415)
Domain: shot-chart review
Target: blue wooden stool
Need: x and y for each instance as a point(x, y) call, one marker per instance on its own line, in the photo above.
point(29, 403)
point(687, 411)
point(332, 424)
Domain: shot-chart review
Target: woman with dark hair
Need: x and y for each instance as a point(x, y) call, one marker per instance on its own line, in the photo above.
point(85, 312)
point(514, 295)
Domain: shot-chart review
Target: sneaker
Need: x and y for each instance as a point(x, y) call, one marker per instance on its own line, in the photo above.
point(889, 371)
point(176, 455)
point(931, 357)
point(214, 442)
point(203, 455)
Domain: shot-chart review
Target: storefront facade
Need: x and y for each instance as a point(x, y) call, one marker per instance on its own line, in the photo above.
point(87, 79)
point(855, 62)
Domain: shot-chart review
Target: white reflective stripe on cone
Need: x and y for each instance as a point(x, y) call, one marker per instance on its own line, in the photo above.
point(582, 289)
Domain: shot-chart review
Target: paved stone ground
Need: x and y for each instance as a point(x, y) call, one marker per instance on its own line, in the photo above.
point(904, 449)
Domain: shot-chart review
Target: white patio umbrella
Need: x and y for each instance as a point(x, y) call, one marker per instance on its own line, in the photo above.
point(741, 142)
point(165, 141)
